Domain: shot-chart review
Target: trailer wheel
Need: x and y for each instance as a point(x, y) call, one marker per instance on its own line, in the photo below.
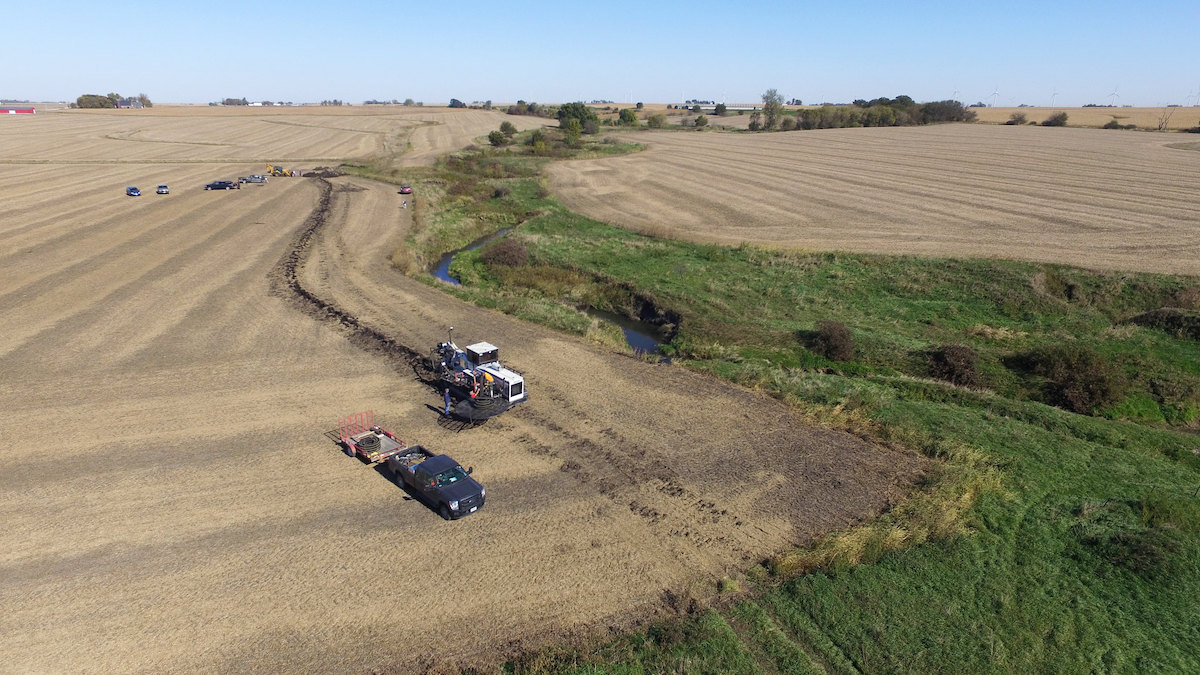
point(349, 450)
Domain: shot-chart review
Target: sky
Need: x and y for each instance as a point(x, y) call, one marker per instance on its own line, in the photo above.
point(1063, 53)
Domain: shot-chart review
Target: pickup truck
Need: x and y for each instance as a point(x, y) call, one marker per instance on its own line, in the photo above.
point(438, 480)
point(252, 178)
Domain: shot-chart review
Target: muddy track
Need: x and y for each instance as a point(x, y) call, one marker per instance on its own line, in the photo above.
point(284, 276)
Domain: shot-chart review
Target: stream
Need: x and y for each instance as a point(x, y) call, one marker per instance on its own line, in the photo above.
point(642, 337)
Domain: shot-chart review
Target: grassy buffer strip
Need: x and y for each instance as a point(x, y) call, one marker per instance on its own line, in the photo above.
point(1111, 486)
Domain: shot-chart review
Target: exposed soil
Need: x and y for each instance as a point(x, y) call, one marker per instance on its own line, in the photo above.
point(171, 366)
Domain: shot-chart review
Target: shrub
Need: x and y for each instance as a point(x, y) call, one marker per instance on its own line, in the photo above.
point(788, 123)
point(1016, 118)
point(657, 121)
point(834, 341)
point(507, 128)
point(501, 191)
point(1056, 120)
point(955, 364)
point(628, 117)
point(537, 136)
point(497, 138)
point(701, 122)
point(721, 110)
point(1078, 379)
point(507, 252)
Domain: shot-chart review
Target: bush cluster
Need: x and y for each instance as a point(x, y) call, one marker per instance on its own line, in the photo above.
point(1056, 120)
point(507, 252)
point(1078, 378)
point(834, 341)
point(955, 364)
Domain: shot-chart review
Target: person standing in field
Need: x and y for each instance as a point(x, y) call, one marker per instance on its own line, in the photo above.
point(446, 397)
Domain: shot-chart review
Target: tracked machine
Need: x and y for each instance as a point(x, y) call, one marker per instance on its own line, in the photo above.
point(479, 385)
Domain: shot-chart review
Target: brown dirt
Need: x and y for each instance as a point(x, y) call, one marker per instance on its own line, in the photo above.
point(1088, 197)
point(169, 495)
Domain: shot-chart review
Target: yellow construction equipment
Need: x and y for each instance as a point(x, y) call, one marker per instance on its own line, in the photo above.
point(275, 170)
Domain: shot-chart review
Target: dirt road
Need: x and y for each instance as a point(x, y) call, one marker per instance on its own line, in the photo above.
point(1089, 197)
point(171, 500)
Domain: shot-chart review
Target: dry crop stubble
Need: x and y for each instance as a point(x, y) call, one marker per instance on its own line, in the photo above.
point(1084, 197)
point(171, 500)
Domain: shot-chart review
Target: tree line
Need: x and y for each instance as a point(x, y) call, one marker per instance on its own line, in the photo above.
point(111, 100)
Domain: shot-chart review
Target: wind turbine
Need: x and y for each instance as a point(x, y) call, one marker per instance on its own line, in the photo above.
point(955, 94)
point(1112, 98)
point(1053, 96)
point(995, 95)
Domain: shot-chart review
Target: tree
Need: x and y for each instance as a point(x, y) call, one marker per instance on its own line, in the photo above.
point(772, 108)
point(640, 105)
point(408, 102)
point(497, 138)
point(576, 111)
point(573, 130)
point(628, 116)
point(721, 110)
point(755, 121)
point(656, 121)
point(508, 129)
point(145, 100)
point(94, 101)
point(455, 103)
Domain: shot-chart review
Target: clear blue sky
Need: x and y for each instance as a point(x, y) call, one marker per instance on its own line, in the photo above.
point(550, 52)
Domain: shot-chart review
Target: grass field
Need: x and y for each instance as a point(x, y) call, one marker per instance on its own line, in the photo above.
point(1049, 540)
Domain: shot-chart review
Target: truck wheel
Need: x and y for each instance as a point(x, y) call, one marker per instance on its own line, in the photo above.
point(445, 511)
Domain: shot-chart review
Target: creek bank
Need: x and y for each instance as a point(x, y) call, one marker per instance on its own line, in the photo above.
point(645, 335)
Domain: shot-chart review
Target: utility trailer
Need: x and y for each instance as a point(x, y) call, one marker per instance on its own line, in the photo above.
point(361, 437)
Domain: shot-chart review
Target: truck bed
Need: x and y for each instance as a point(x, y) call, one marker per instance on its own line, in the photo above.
point(409, 457)
point(388, 446)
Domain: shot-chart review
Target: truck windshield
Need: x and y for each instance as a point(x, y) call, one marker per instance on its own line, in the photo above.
point(451, 476)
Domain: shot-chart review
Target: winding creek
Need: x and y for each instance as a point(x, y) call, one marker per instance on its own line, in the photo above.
point(642, 337)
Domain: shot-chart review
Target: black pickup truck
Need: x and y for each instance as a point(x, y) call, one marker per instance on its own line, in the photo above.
point(438, 480)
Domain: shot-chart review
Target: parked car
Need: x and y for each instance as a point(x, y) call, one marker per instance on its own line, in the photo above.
point(133, 192)
point(252, 178)
point(222, 185)
point(406, 189)
point(163, 190)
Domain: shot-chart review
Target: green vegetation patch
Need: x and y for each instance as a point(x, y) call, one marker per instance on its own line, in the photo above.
point(1059, 530)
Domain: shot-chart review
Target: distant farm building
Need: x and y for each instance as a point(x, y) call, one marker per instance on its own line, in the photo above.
point(130, 103)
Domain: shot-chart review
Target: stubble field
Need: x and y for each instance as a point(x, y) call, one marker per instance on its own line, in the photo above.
point(171, 500)
point(1092, 198)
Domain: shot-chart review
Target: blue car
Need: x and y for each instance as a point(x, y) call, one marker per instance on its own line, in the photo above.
point(133, 192)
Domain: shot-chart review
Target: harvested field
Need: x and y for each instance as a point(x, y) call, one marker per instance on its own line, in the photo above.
point(171, 500)
point(1178, 118)
point(1088, 197)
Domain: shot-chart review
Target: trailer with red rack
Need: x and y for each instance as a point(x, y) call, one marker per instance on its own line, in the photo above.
point(361, 437)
